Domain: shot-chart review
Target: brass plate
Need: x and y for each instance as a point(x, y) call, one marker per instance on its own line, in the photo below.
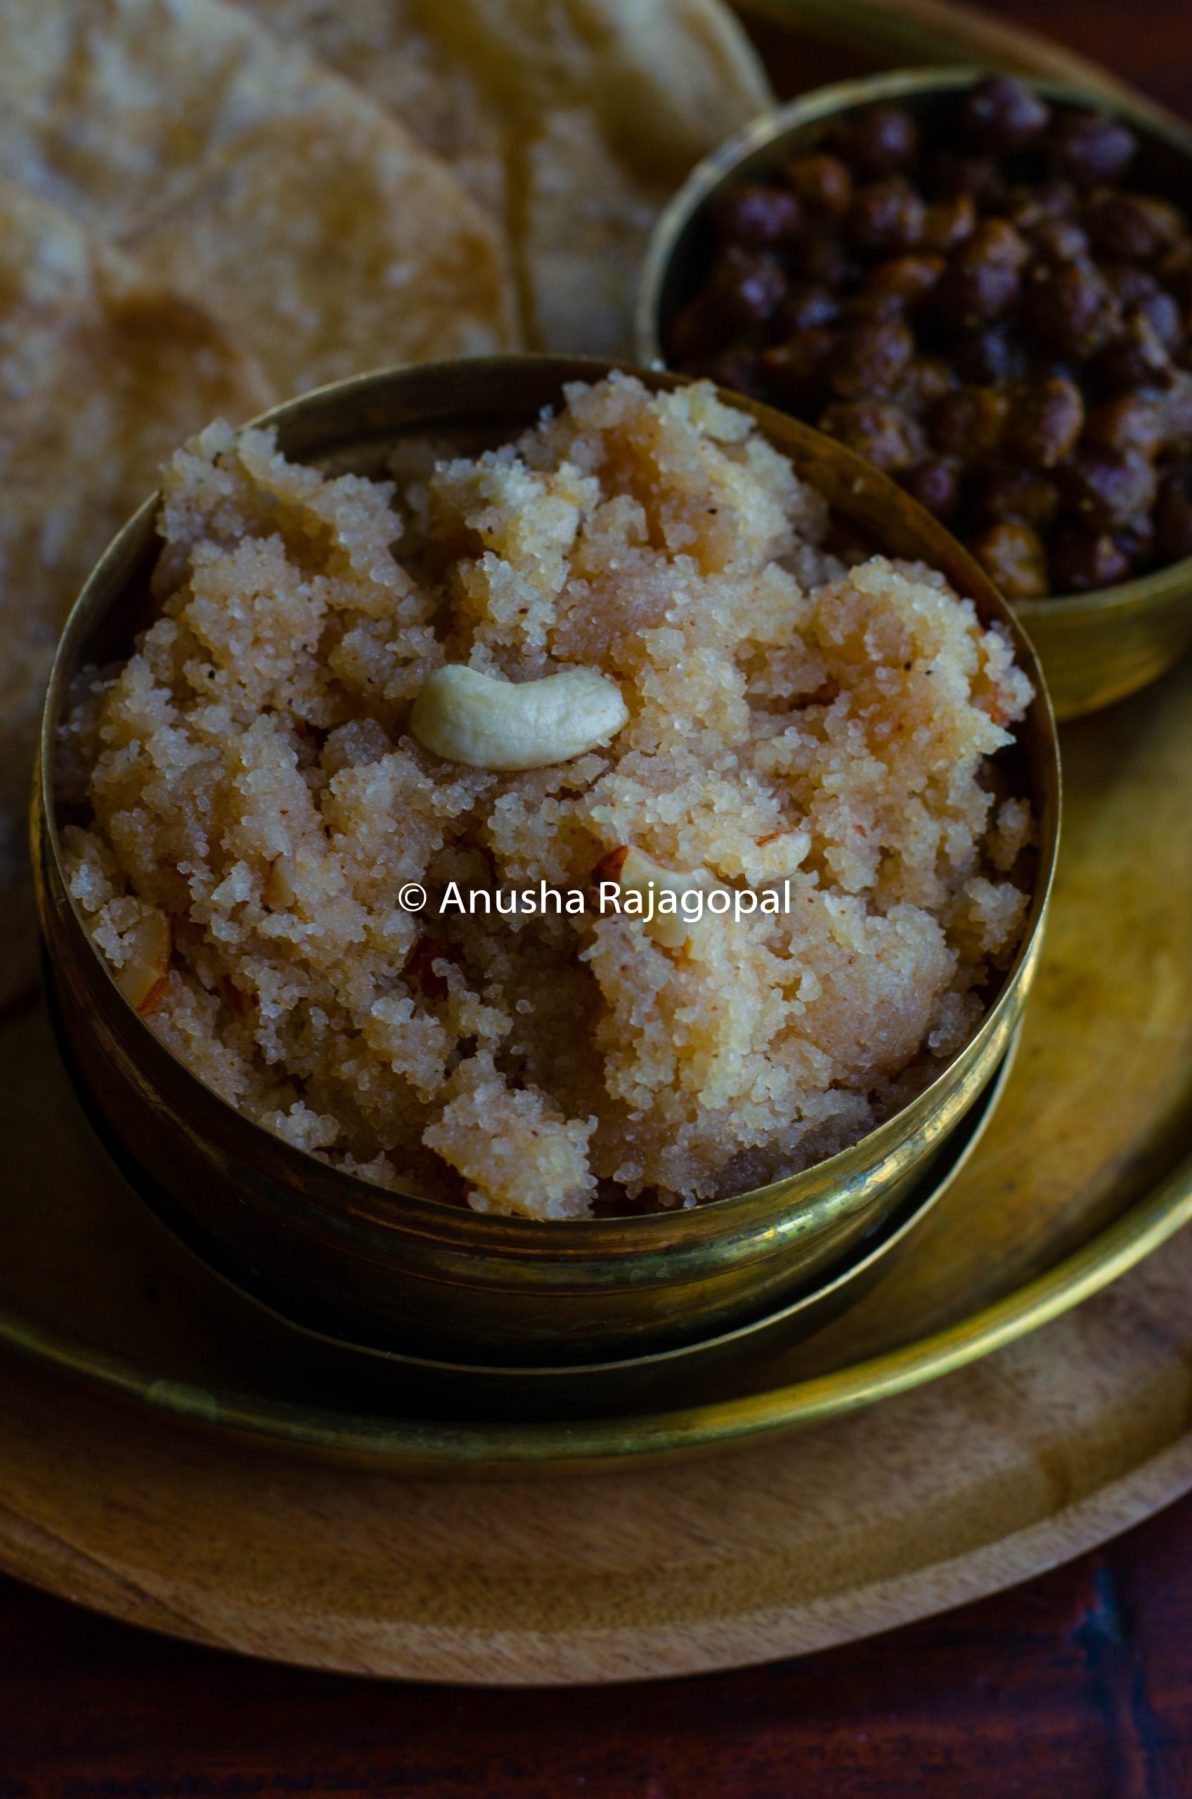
point(1084, 1170)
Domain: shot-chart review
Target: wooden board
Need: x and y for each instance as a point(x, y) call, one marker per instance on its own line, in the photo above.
point(795, 1542)
point(832, 1533)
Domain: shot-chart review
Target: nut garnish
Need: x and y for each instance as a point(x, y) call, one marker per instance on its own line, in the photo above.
point(142, 976)
point(609, 866)
point(482, 721)
point(670, 929)
point(279, 884)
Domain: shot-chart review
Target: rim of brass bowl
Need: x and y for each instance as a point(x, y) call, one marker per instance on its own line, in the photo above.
point(1095, 647)
point(632, 1262)
point(652, 1378)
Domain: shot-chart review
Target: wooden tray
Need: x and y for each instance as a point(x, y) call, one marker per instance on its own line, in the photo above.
point(838, 1531)
point(786, 1544)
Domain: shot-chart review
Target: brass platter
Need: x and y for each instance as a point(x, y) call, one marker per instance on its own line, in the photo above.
point(1084, 1170)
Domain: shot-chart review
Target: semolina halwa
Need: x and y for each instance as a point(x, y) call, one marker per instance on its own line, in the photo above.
point(255, 802)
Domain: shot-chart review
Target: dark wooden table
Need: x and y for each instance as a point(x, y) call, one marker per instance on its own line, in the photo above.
point(1078, 1686)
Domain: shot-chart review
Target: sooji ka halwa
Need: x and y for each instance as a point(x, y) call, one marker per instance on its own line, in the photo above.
point(348, 689)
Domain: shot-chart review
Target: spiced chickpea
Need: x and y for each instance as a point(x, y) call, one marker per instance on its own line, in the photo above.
point(1129, 284)
point(926, 380)
point(1069, 310)
point(1090, 148)
point(870, 304)
point(935, 483)
point(738, 367)
point(1137, 541)
point(973, 294)
point(886, 217)
point(1058, 240)
point(1133, 226)
point(988, 356)
point(1134, 358)
point(1163, 314)
point(969, 423)
point(822, 184)
point(1175, 404)
point(947, 223)
point(795, 371)
point(1127, 422)
point(1027, 205)
point(1001, 115)
point(750, 287)
point(882, 433)
point(1045, 419)
point(1012, 554)
point(908, 279)
point(807, 306)
point(758, 216)
point(1108, 488)
point(1081, 561)
point(953, 172)
point(871, 358)
point(881, 140)
point(827, 260)
point(1175, 272)
point(995, 240)
point(1023, 494)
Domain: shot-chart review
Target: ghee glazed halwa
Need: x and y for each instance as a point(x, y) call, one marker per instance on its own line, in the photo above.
point(614, 651)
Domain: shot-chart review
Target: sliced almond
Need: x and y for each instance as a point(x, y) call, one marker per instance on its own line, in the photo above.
point(280, 892)
point(610, 865)
point(142, 978)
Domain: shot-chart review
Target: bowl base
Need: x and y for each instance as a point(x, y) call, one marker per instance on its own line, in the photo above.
point(435, 1387)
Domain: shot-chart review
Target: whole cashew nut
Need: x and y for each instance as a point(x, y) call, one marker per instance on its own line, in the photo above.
point(484, 722)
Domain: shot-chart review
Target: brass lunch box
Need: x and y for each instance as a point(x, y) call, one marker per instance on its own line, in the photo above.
point(391, 1271)
point(1095, 647)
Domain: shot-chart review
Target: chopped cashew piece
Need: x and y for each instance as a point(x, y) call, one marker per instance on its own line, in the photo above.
point(484, 722)
point(279, 884)
point(670, 929)
point(142, 977)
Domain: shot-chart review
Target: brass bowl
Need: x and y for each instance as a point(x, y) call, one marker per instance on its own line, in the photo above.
point(399, 1272)
point(652, 1380)
point(1095, 647)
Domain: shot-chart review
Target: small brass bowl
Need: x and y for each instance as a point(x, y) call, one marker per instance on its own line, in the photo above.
point(1095, 647)
point(714, 1367)
point(398, 1272)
